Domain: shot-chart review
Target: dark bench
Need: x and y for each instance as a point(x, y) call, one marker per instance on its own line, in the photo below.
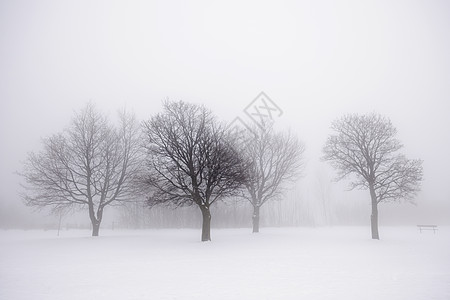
point(427, 227)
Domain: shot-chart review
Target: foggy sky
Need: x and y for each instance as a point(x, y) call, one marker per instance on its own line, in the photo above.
point(316, 59)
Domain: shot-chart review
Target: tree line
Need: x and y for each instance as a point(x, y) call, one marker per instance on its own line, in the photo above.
point(184, 156)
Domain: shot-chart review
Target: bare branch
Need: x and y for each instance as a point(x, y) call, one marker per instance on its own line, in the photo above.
point(365, 146)
point(191, 158)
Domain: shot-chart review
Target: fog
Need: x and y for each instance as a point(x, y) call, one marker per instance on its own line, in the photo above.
point(315, 60)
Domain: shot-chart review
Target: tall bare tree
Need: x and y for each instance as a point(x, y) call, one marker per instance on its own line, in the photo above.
point(191, 159)
point(90, 164)
point(275, 159)
point(365, 146)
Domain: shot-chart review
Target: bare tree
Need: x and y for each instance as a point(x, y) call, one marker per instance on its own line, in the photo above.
point(274, 159)
point(191, 159)
point(91, 164)
point(366, 146)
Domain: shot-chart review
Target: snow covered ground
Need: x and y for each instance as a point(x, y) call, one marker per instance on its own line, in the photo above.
point(278, 263)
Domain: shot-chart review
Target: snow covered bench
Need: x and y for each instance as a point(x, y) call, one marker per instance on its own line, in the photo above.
point(427, 227)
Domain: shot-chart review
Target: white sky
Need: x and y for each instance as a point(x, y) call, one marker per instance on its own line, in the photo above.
point(316, 59)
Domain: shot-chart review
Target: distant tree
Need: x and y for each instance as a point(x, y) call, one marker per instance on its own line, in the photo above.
point(322, 191)
point(133, 214)
point(90, 164)
point(191, 159)
point(274, 160)
point(365, 146)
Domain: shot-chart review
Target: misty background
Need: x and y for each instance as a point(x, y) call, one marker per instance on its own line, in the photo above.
point(315, 60)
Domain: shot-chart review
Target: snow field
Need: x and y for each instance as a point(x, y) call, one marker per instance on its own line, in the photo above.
point(278, 263)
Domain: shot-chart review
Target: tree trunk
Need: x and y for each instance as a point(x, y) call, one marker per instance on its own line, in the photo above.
point(95, 221)
point(255, 219)
point(95, 228)
point(206, 227)
point(59, 223)
point(374, 215)
point(374, 223)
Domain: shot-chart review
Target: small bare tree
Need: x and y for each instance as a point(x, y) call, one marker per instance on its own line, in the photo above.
point(365, 146)
point(274, 159)
point(92, 163)
point(191, 160)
